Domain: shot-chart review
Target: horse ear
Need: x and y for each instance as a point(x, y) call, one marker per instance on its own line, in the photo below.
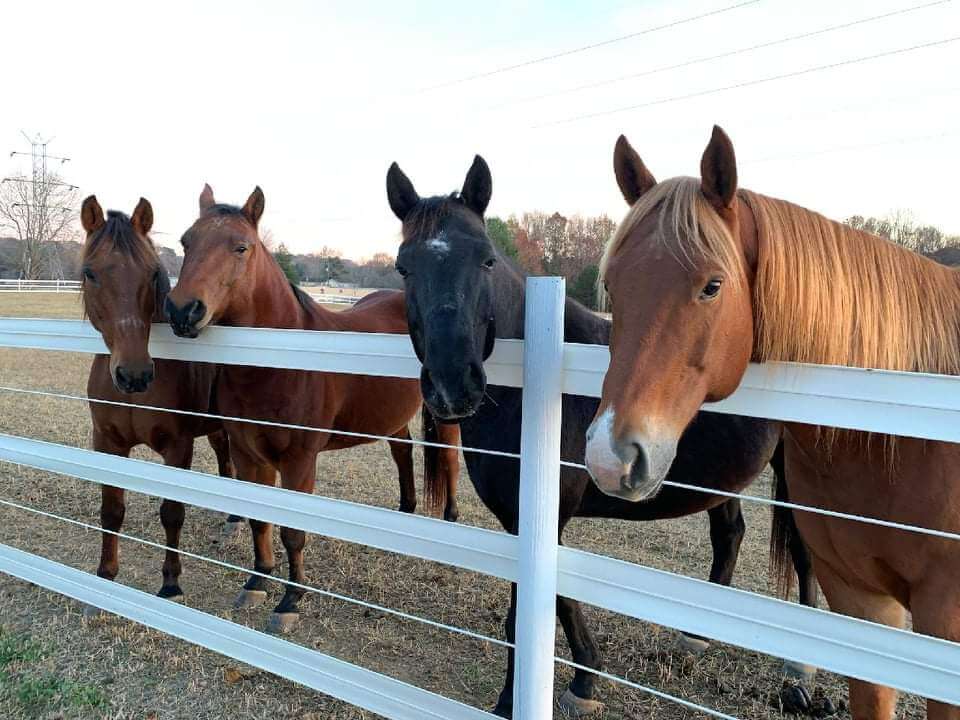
point(206, 198)
point(478, 186)
point(718, 170)
point(91, 215)
point(253, 210)
point(400, 193)
point(142, 218)
point(632, 175)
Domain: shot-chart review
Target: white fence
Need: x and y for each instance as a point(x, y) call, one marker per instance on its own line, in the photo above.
point(907, 404)
point(35, 286)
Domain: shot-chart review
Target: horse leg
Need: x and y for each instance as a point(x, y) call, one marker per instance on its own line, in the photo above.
point(300, 476)
point(172, 514)
point(935, 612)
point(112, 511)
point(578, 699)
point(450, 467)
point(800, 557)
point(403, 456)
point(504, 706)
point(218, 440)
point(726, 534)
point(254, 591)
point(867, 700)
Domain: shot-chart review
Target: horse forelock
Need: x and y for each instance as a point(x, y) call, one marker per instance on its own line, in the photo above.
point(687, 226)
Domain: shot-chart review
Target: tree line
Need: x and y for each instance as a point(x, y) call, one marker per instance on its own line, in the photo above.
point(538, 243)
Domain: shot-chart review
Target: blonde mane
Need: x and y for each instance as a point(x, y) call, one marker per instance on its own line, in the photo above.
point(824, 293)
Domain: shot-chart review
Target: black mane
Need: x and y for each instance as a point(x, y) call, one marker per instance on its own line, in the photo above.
point(226, 209)
point(118, 231)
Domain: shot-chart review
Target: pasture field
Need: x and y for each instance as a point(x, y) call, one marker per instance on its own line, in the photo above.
point(56, 664)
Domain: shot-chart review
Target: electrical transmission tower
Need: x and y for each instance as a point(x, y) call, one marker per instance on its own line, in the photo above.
point(40, 211)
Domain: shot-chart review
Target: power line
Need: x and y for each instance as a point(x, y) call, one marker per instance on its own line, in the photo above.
point(584, 48)
point(720, 56)
point(854, 148)
point(748, 83)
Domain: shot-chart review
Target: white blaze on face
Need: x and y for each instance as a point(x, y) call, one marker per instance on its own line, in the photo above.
point(605, 466)
point(439, 244)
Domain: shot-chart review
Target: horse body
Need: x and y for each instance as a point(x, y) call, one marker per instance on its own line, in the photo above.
point(124, 287)
point(705, 277)
point(229, 277)
point(446, 254)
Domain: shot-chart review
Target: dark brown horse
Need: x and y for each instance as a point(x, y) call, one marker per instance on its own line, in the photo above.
point(705, 277)
point(123, 289)
point(229, 277)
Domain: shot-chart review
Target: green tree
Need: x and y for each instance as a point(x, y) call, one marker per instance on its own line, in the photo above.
point(285, 261)
point(502, 236)
point(584, 288)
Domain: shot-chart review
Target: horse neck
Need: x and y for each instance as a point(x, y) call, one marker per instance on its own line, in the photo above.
point(160, 296)
point(273, 302)
point(509, 287)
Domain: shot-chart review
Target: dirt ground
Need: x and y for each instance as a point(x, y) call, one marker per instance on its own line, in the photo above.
point(56, 664)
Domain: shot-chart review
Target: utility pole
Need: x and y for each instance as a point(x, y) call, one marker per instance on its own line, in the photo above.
point(43, 217)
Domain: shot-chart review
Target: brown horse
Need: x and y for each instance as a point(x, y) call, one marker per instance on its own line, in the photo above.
point(123, 289)
point(229, 277)
point(704, 278)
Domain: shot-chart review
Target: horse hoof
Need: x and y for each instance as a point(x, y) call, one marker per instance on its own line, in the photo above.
point(692, 645)
point(282, 623)
point(250, 599)
point(799, 671)
point(795, 699)
point(577, 707)
point(231, 530)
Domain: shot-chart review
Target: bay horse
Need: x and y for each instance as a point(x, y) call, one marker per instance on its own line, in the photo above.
point(461, 295)
point(123, 288)
point(704, 278)
point(230, 277)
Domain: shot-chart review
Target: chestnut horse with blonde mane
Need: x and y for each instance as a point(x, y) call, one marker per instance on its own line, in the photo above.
point(704, 278)
point(229, 277)
point(123, 289)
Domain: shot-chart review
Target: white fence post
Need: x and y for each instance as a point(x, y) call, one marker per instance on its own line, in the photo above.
point(539, 498)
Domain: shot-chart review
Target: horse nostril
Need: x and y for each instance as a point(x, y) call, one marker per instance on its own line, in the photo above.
point(195, 312)
point(639, 470)
point(121, 374)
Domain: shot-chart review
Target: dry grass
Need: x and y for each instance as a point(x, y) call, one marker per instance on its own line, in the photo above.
point(144, 674)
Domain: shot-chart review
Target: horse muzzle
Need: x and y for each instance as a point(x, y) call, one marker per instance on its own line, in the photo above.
point(186, 321)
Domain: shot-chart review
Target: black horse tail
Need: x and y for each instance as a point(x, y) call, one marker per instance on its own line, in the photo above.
point(784, 531)
point(434, 479)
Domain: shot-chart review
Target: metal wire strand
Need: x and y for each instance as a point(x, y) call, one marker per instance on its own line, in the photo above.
point(291, 583)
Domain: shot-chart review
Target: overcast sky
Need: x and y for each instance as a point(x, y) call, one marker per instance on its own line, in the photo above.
point(312, 101)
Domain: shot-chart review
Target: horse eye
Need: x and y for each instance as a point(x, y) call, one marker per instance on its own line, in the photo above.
point(711, 289)
point(88, 274)
point(240, 249)
point(402, 270)
point(490, 263)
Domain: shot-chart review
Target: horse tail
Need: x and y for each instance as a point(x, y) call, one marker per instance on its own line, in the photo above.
point(783, 530)
point(434, 479)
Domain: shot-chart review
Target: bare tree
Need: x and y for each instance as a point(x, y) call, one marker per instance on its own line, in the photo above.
point(39, 215)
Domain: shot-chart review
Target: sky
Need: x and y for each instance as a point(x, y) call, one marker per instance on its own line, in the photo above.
point(313, 101)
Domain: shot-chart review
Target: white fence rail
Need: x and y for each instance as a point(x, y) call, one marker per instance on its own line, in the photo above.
point(901, 403)
point(35, 286)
